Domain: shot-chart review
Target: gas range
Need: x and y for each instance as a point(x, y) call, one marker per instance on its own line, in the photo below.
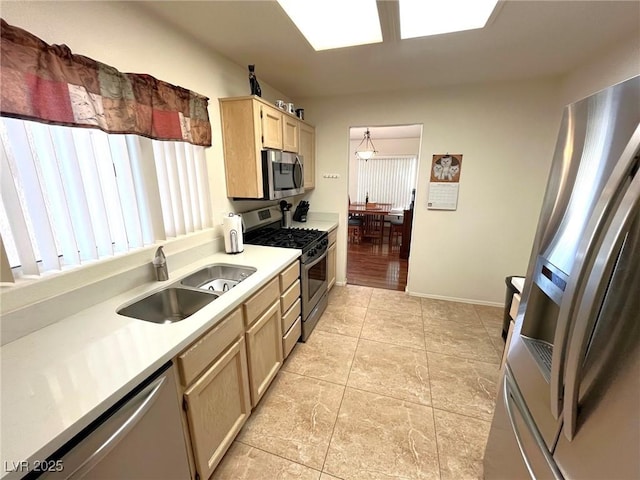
point(263, 230)
point(313, 243)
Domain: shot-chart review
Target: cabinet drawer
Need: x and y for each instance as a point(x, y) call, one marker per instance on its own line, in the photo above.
point(203, 352)
point(291, 337)
point(290, 316)
point(289, 297)
point(289, 275)
point(333, 235)
point(261, 301)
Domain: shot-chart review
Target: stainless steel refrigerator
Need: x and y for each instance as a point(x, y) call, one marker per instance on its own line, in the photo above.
point(568, 404)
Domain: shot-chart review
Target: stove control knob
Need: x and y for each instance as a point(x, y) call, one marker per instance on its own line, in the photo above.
point(312, 252)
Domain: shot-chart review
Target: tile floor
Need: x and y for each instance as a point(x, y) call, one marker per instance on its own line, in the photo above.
point(387, 386)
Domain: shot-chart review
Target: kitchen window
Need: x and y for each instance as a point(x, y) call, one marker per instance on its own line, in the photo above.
point(94, 162)
point(76, 195)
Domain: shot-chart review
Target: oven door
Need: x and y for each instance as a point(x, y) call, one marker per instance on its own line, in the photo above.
point(314, 283)
point(285, 174)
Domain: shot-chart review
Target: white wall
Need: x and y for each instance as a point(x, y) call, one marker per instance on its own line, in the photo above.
point(615, 64)
point(506, 133)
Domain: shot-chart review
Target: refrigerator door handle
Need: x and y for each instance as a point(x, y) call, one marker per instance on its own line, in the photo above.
point(595, 291)
point(568, 309)
point(512, 395)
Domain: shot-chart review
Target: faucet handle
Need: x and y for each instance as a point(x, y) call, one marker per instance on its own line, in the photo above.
point(160, 265)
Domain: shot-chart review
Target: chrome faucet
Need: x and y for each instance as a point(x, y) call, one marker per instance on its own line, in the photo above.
point(160, 265)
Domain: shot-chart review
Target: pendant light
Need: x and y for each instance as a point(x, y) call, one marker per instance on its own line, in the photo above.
point(368, 150)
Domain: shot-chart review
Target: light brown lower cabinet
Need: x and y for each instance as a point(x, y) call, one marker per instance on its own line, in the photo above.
point(331, 258)
point(264, 350)
point(331, 266)
point(217, 406)
point(228, 369)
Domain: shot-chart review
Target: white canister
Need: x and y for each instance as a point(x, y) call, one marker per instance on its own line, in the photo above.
point(232, 228)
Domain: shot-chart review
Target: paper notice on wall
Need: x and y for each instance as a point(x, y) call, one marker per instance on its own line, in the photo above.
point(443, 196)
point(444, 182)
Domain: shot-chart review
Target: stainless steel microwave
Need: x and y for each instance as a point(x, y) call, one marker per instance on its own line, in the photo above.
point(282, 174)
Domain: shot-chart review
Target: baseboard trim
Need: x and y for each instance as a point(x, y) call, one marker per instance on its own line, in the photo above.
point(455, 299)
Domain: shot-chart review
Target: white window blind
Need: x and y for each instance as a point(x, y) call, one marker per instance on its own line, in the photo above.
point(387, 180)
point(73, 195)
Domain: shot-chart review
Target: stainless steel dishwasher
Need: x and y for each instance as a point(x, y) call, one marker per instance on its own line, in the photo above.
point(140, 437)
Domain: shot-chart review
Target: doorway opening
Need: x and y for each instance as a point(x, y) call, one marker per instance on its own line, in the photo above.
point(381, 200)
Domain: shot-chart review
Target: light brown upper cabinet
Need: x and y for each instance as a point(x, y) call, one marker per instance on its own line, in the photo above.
point(290, 134)
point(308, 152)
point(271, 126)
point(249, 125)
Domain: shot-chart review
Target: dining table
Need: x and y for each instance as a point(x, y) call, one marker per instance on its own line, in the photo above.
point(372, 216)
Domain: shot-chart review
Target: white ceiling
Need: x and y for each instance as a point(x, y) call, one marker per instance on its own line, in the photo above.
point(523, 39)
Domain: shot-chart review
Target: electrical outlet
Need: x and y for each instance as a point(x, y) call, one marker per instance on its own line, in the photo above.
point(331, 175)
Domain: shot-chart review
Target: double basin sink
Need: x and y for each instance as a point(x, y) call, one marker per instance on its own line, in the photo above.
point(185, 297)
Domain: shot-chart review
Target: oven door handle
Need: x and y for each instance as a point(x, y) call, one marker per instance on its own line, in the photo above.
point(308, 266)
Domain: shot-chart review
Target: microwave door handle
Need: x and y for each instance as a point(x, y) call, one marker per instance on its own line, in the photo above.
point(595, 293)
point(300, 183)
point(568, 309)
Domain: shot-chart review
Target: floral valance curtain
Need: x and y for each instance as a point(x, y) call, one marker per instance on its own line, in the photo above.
point(49, 83)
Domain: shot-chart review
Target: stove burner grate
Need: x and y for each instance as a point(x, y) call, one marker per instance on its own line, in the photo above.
point(285, 237)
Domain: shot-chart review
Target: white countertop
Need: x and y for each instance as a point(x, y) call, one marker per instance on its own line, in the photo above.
point(57, 380)
point(518, 282)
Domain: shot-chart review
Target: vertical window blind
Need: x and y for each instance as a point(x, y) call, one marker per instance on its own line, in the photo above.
point(387, 180)
point(74, 195)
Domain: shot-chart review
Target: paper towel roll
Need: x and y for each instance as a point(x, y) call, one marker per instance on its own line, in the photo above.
point(232, 231)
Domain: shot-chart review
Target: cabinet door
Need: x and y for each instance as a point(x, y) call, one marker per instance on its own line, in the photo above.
point(290, 134)
point(308, 152)
point(217, 406)
point(271, 127)
point(331, 266)
point(264, 351)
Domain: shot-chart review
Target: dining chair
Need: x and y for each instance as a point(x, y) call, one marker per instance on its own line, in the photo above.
point(395, 230)
point(373, 227)
point(355, 229)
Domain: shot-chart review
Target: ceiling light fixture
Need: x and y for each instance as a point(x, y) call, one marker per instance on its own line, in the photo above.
point(331, 24)
point(421, 18)
point(368, 150)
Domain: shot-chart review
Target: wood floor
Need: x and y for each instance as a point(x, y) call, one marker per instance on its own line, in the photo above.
point(375, 265)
